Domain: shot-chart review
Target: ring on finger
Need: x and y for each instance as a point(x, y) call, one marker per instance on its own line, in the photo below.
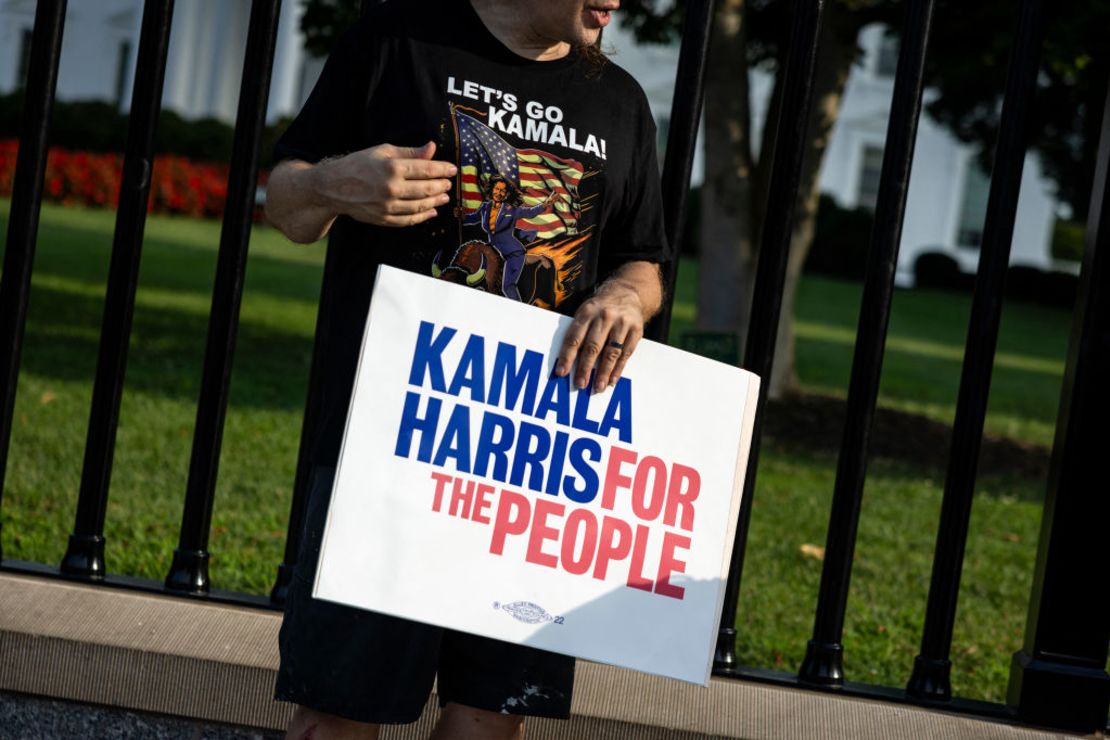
point(616, 345)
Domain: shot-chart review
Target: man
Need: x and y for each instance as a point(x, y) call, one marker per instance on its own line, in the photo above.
point(360, 164)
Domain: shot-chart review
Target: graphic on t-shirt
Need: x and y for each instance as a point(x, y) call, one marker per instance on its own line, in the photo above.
point(521, 208)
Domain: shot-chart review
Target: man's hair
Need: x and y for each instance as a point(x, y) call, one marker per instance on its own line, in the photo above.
point(594, 56)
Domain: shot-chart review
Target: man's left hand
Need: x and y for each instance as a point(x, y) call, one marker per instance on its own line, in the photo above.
point(609, 325)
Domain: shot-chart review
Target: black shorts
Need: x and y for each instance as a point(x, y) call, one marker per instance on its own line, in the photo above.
point(371, 667)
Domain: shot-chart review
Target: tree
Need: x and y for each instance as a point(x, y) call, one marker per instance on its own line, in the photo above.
point(748, 34)
point(324, 20)
point(966, 69)
point(1072, 85)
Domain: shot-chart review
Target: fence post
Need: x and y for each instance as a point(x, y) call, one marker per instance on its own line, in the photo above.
point(824, 659)
point(1059, 677)
point(23, 225)
point(774, 252)
point(932, 667)
point(681, 140)
point(189, 570)
point(84, 556)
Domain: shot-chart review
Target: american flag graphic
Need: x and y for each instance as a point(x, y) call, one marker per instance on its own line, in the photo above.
point(483, 154)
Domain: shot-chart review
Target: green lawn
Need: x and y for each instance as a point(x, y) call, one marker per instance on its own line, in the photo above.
point(791, 504)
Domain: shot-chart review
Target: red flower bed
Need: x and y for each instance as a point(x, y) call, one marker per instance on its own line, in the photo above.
point(178, 185)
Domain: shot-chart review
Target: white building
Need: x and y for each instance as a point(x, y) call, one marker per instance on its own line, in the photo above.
point(947, 199)
point(948, 191)
point(204, 65)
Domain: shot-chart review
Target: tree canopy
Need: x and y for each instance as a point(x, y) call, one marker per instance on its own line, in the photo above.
point(969, 53)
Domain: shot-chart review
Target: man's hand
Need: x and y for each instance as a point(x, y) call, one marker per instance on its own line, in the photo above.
point(384, 185)
point(387, 185)
point(609, 325)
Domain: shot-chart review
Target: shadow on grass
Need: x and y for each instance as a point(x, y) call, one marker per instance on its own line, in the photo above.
point(168, 264)
point(1028, 393)
point(166, 352)
point(811, 423)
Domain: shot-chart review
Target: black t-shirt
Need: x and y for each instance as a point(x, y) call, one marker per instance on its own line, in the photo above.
point(558, 178)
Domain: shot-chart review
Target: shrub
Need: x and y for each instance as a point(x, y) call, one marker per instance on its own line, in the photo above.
point(178, 185)
point(840, 241)
point(938, 270)
point(96, 126)
point(1030, 285)
point(1067, 240)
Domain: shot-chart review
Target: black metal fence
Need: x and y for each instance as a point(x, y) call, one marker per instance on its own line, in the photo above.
point(1058, 679)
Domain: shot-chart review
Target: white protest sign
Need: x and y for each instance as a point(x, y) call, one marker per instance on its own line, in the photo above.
point(477, 492)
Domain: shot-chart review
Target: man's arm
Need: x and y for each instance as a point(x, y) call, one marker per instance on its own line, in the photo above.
point(383, 185)
point(609, 325)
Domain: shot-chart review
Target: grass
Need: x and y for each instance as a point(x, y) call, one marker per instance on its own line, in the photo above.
point(791, 504)
point(158, 408)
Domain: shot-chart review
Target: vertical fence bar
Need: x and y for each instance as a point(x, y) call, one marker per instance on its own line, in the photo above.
point(782, 193)
point(85, 553)
point(681, 141)
point(1059, 677)
point(823, 662)
point(189, 571)
point(23, 223)
point(309, 423)
point(930, 679)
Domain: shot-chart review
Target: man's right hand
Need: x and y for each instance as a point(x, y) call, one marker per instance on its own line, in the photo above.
point(387, 185)
point(384, 185)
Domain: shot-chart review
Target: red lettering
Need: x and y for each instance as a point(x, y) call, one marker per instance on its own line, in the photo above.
point(615, 544)
point(578, 520)
point(542, 532)
point(441, 483)
point(636, 567)
point(481, 503)
point(462, 495)
point(681, 493)
point(641, 506)
point(512, 515)
point(613, 478)
point(668, 564)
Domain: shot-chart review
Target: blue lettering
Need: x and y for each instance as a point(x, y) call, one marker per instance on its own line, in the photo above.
point(533, 459)
point(497, 449)
point(427, 358)
point(581, 450)
point(411, 423)
point(471, 372)
point(582, 407)
point(619, 412)
point(515, 378)
point(558, 459)
point(556, 397)
point(455, 442)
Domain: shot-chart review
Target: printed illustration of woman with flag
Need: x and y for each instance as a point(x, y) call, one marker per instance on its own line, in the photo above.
point(498, 216)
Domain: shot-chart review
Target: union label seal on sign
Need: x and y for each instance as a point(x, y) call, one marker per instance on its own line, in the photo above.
point(468, 473)
point(527, 612)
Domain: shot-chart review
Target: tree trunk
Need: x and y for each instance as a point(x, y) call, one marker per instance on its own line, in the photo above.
point(727, 257)
point(836, 53)
point(734, 192)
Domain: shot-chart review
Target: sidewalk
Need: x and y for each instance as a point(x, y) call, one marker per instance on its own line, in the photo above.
point(209, 663)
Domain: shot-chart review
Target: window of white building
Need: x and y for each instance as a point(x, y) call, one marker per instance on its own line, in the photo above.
point(973, 206)
point(871, 167)
point(886, 62)
point(662, 133)
point(122, 63)
point(24, 59)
